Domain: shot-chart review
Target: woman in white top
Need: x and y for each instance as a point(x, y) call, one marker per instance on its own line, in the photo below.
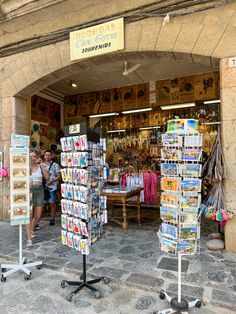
point(37, 173)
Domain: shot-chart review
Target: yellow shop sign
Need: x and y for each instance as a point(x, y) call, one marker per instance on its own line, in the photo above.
point(97, 40)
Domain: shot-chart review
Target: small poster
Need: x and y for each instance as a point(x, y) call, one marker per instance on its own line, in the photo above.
point(171, 140)
point(168, 214)
point(169, 231)
point(169, 199)
point(19, 186)
point(170, 154)
point(168, 246)
point(170, 184)
point(169, 169)
point(191, 154)
point(191, 170)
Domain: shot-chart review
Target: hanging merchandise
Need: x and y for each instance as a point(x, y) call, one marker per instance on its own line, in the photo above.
point(83, 208)
point(180, 199)
point(214, 206)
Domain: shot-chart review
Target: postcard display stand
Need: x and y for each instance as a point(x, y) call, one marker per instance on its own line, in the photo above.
point(20, 200)
point(83, 208)
point(180, 199)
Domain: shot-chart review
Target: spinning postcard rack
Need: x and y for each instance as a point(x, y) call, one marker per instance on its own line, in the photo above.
point(180, 199)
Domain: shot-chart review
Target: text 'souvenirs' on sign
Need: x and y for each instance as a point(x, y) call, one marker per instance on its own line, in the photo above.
point(97, 40)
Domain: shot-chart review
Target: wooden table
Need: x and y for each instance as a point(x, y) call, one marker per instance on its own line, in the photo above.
point(123, 198)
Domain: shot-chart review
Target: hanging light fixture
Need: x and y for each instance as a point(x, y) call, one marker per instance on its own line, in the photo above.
point(176, 106)
point(73, 84)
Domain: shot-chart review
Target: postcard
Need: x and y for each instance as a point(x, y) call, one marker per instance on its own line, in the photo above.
point(189, 201)
point(193, 140)
point(168, 214)
point(190, 170)
point(19, 159)
point(19, 185)
point(170, 154)
point(169, 231)
point(171, 140)
point(19, 172)
point(188, 233)
point(19, 211)
point(169, 199)
point(170, 184)
point(188, 218)
point(186, 247)
point(168, 246)
point(20, 198)
point(191, 154)
point(191, 185)
point(169, 169)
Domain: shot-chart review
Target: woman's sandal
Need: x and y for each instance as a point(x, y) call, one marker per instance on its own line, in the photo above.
point(29, 244)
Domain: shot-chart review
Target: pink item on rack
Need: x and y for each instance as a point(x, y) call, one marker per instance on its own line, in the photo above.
point(154, 181)
point(123, 180)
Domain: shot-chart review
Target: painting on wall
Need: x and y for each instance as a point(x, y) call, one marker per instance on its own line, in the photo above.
point(46, 111)
point(163, 92)
point(205, 86)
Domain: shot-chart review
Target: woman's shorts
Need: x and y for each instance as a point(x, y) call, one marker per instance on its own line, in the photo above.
point(53, 197)
point(37, 195)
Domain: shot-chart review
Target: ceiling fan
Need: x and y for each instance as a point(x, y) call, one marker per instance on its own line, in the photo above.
point(127, 70)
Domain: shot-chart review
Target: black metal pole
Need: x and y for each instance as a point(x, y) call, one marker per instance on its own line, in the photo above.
point(84, 267)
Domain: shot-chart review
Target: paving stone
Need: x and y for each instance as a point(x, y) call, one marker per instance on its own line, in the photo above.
point(127, 250)
point(108, 272)
point(144, 303)
point(224, 298)
point(94, 261)
point(233, 272)
point(104, 254)
point(218, 276)
point(168, 274)
point(172, 264)
point(145, 281)
point(37, 286)
point(192, 277)
point(205, 258)
point(187, 291)
point(82, 303)
point(110, 246)
point(216, 254)
point(147, 254)
point(43, 304)
point(229, 263)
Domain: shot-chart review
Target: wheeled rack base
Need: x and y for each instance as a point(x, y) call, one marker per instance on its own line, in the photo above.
point(84, 283)
point(176, 306)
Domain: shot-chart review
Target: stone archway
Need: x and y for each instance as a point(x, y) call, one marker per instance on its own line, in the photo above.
point(210, 33)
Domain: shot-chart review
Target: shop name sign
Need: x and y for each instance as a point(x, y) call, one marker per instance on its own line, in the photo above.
point(97, 40)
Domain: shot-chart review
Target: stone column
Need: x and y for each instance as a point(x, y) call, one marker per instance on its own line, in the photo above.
point(15, 119)
point(228, 118)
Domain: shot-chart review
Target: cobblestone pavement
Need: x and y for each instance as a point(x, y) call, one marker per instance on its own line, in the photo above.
point(136, 267)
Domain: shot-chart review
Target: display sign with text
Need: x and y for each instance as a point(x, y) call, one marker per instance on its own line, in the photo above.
point(97, 40)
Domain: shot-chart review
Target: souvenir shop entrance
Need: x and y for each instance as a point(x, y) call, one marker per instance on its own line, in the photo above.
point(132, 117)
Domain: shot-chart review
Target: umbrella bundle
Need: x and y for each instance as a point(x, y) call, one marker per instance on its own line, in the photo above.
point(214, 168)
point(214, 206)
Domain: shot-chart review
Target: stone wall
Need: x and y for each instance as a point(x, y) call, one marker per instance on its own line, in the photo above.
point(210, 33)
point(228, 115)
